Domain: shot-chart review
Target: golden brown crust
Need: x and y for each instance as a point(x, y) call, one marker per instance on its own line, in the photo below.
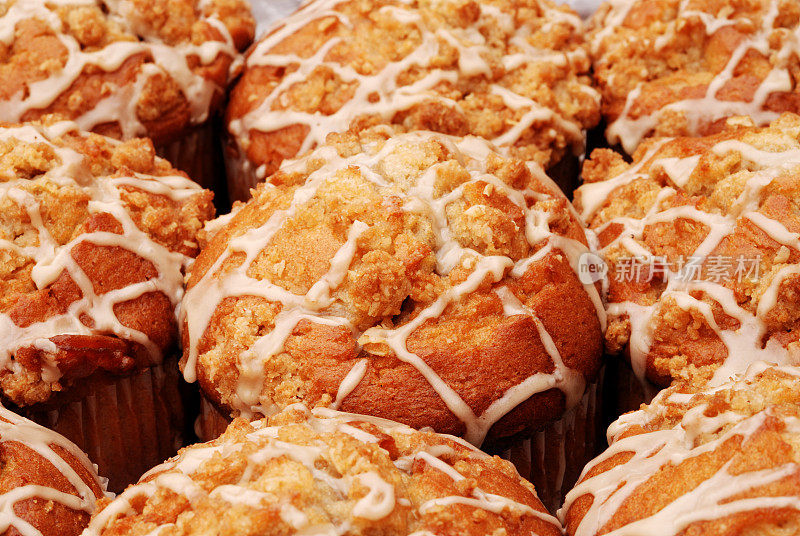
point(676, 68)
point(126, 69)
point(94, 234)
point(36, 466)
point(330, 471)
point(512, 71)
point(719, 214)
point(697, 460)
point(238, 338)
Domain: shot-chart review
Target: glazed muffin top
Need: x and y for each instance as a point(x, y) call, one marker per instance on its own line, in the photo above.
point(716, 462)
point(417, 277)
point(510, 71)
point(124, 69)
point(48, 487)
point(325, 472)
point(701, 239)
point(681, 67)
point(95, 235)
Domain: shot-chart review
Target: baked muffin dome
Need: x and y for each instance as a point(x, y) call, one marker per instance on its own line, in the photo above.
point(418, 277)
point(716, 462)
point(510, 71)
point(700, 235)
point(94, 238)
point(304, 472)
point(681, 67)
point(48, 487)
point(125, 69)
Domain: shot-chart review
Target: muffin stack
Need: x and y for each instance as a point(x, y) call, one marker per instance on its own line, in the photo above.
point(701, 237)
point(699, 231)
point(96, 234)
point(157, 68)
point(418, 264)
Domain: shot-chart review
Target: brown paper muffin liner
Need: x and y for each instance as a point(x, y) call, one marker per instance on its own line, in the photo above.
point(239, 177)
point(199, 154)
point(626, 392)
point(211, 422)
point(566, 174)
point(553, 458)
point(126, 425)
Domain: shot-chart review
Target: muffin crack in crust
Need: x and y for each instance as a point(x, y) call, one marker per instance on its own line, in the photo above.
point(681, 67)
point(702, 238)
point(323, 471)
point(510, 71)
point(47, 485)
point(418, 277)
point(124, 68)
point(711, 460)
point(95, 236)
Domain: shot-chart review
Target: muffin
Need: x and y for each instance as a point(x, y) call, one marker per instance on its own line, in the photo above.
point(510, 71)
point(157, 68)
point(682, 67)
point(700, 237)
point(716, 461)
point(325, 472)
point(48, 486)
point(95, 235)
point(419, 277)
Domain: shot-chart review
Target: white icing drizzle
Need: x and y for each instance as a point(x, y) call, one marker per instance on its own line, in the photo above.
point(51, 259)
point(382, 95)
point(713, 498)
point(202, 300)
point(121, 103)
point(629, 131)
point(14, 428)
point(379, 501)
point(745, 343)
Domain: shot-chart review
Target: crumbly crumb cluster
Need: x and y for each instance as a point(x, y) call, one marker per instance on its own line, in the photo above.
point(700, 235)
point(327, 472)
point(94, 238)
